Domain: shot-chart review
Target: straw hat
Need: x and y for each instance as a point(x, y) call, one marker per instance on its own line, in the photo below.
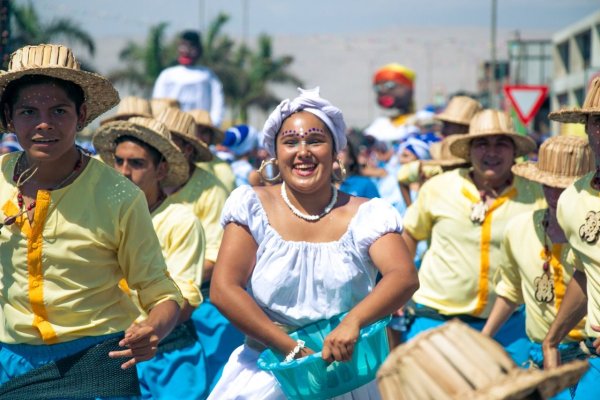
point(183, 126)
point(130, 106)
point(158, 105)
point(460, 110)
point(561, 161)
point(455, 362)
point(490, 123)
point(58, 61)
point(202, 118)
point(149, 131)
point(440, 155)
point(576, 115)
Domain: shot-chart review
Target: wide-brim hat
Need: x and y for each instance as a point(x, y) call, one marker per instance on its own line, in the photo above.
point(159, 104)
point(441, 156)
point(578, 115)
point(561, 161)
point(456, 362)
point(183, 126)
point(460, 110)
point(57, 61)
point(490, 123)
point(130, 106)
point(202, 118)
point(151, 132)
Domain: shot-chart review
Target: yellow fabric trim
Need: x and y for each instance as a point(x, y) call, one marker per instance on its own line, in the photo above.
point(400, 120)
point(560, 288)
point(22, 222)
point(557, 270)
point(35, 269)
point(469, 195)
point(486, 237)
point(124, 287)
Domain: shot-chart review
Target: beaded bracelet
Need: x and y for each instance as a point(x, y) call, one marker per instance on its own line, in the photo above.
point(292, 354)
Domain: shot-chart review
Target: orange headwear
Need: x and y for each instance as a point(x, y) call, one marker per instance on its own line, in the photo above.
point(395, 72)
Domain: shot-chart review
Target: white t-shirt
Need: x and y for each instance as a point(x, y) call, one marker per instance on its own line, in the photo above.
point(195, 87)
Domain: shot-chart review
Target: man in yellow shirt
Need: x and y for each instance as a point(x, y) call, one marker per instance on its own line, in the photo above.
point(141, 149)
point(537, 261)
point(577, 214)
point(463, 213)
point(455, 119)
point(72, 228)
point(207, 195)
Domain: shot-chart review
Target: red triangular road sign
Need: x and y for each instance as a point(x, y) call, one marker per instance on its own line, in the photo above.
point(526, 99)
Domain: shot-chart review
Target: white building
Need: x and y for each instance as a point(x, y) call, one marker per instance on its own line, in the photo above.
point(576, 54)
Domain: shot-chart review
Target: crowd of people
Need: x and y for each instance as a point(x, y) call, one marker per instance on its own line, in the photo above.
point(161, 259)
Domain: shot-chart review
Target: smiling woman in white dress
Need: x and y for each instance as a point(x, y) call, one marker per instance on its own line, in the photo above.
point(301, 251)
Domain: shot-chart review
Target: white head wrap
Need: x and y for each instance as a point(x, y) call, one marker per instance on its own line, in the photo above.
point(416, 146)
point(241, 139)
point(309, 100)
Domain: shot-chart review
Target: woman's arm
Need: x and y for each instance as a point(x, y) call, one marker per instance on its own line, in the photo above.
point(390, 255)
point(501, 312)
point(234, 266)
point(411, 244)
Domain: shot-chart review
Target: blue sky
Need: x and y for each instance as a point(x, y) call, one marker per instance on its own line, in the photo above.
point(282, 17)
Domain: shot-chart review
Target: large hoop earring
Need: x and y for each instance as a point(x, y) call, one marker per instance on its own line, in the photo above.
point(342, 175)
point(263, 171)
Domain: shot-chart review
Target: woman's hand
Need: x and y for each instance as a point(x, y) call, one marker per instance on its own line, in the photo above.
point(306, 351)
point(339, 344)
point(141, 341)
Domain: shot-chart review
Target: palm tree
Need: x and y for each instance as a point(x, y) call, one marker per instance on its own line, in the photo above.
point(28, 29)
point(261, 68)
point(245, 74)
point(144, 62)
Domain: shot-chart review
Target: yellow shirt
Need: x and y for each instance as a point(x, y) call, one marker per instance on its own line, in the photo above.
point(522, 263)
point(573, 206)
point(222, 170)
point(207, 196)
point(457, 271)
point(182, 242)
point(59, 278)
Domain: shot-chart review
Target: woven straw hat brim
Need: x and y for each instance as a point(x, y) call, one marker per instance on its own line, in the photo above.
point(104, 142)
point(449, 118)
point(120, 117)
point(202, 151)
point(529, 170)
point(461, 144)
point(520, 383)
point(100, 95)
point(572, 115)
point(219, 135)
point(453, 162)
point(456, 362)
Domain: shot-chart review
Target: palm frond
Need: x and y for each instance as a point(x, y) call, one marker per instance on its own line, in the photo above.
point(71, 32)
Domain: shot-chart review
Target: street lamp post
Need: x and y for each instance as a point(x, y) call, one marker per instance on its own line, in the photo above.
point(493, 93)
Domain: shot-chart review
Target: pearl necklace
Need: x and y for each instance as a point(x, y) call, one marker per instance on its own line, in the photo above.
point(309, 217)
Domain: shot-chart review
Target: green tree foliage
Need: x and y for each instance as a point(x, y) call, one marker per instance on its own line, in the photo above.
point(143, 63)
point(245, 73)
